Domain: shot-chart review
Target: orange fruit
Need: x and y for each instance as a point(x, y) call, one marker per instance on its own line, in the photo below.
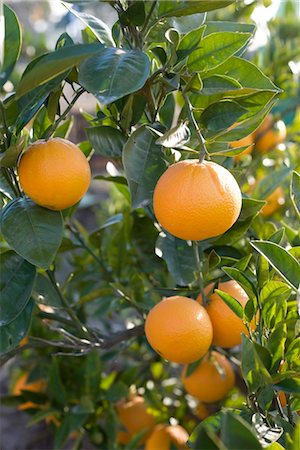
point(201, 411)
point(206, 383)
point(268, 135)
point(195, 201)
point(227, 326)
point(246, 141)
point(34, 386)
point(274, 202)
point(163, 436)
point(55, 173)
point(134, 416)
point(179, 329)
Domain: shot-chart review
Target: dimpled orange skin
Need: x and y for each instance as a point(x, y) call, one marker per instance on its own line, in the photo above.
point(134, 416)
point(55, 173)
point(274, 202)
point(206, 383)
point(227, 326)
point(163, 436)
point(179, 329)
point(195, 201)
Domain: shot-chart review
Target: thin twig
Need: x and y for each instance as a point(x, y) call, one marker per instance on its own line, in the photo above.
point(80, 327)
point(64, 115)
point(203, 150)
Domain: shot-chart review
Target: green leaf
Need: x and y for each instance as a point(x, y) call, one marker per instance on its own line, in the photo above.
point(11, 45)
point(176, 137)
point(295, 192)
point(289, 385)
point(44, 291)
point(254, 371)
point(56, 385)
point(206, 439)
point(219, 116)
point(16, 283)
point(189, 42)
point(219, 84)
point(268, 184)
point(250, 208)
point(177, 8)
point(237, 434)
point(98, 27)
point(215, 49)
point(12, 334)
point(52, 64)
point(216, 26)
point(281, 260)
point(245, 73)
point(35, 233)
point(144, 164)
point(242, 279)
point(117, 391)
point(114, 73)
point(134, 14)
point(106, 141)
point(179, 257)
point(232, 303)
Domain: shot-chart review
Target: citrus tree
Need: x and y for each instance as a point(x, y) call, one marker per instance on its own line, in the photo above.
point(174, 324)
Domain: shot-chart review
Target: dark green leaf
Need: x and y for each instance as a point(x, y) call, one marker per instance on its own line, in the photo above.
point(106, 141)
point(177, 8)
point(281, 260)
point(179, 257)
point(11, 44)
point(36, 234)
point(215, 49)
point(232, 303)
point(12, 334)
point(114, 73)
point(218, 84)
point(144, 164)
point(204, 438)
point(219, 116)
point(16, 283)
point(52, 64)
point(134, 14)
point(237, 434)
point(289, 385)
point(242, 279)
point(45, 292)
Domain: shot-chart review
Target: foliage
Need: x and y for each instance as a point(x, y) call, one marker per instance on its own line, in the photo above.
point(164, 76)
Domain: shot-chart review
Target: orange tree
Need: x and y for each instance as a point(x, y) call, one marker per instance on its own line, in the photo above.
point(171, 85)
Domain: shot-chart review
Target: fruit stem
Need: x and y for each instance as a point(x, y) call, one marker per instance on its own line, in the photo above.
point(199, 265)
point(203, 149)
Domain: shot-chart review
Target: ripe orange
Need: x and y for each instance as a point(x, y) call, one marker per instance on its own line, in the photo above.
point(227, 326)
point(274, 202)
point(195, 201)
point(269, 134)
point(55, 173)
point(246, 141)
point(35, 386)
point(201, 411)
point(206, 383)
point(163, 436)
point(134, 416)
point(179, 329)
